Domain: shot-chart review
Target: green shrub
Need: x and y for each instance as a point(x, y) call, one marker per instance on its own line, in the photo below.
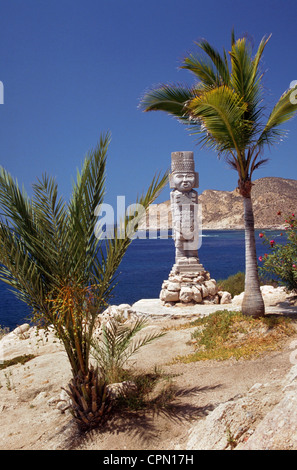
point(3, 331)
point(233, 284)
point(280, 260)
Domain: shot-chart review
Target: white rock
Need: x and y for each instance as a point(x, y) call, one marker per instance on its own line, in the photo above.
point(21, 329)
point(174, 286)
point(64, 396)
point(256, 386)
point(169, 296)
point(211, 433)
point(197, 296)
point(186, 294)
point(121, 388)
point(123, 307)
point(226, 298)
point(174, 278)
point(53, 401)
point(211, 287)
point(39, 398)
point(204, 291)
point(63, 406)
point(237, 299)
point(216, 299)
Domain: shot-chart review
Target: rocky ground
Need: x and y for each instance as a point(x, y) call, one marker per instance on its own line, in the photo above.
point(244, 404)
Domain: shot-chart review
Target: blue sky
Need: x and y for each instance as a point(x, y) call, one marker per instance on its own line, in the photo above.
point(72, 69)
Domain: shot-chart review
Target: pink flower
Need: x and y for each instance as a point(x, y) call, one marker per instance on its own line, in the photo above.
point(272, 242)
point(293, 265)
point(260, 258)
point(261, 235)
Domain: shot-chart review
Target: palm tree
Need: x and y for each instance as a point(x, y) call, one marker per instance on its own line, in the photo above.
point(224, 110)
point(52, 258)
point(118, 343)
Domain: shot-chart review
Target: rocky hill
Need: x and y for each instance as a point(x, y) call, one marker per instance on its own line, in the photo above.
point(224, 209)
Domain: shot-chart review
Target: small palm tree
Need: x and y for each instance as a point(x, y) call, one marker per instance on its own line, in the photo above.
point(224, 110)
point(51, 256)
point(120, 341)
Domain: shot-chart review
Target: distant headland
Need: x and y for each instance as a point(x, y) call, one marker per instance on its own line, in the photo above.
point(222, 210)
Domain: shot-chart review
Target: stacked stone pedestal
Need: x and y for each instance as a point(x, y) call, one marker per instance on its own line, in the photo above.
point(189, 284)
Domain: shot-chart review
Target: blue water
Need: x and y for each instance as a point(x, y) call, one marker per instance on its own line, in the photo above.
point(147, 263)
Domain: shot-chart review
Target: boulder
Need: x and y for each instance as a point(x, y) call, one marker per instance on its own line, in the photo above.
point(225, 297)
point(226, 424)
point(186, 294)
point(197, 296)
point(169, 296)
point(204, 291)
point(211, 285)
point(122, 388)
point(21, 329)
point(174, 286)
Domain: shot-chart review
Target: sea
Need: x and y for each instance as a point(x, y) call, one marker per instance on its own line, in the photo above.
point(148, 262)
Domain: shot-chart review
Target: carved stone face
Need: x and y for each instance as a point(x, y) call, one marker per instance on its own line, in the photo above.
point(183, 182)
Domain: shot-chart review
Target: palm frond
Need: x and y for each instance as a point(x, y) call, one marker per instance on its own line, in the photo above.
point(16, 206)
point(257, 164)
point(118, 343)
point(168, 98)
point(233, 40)
point(257, 59)
point(220, 111)
point(202, 69)
point(220, 63)
point(52, 225)
point(284, 110)
point(19, 270)
point(246, 78)
point(88, 193)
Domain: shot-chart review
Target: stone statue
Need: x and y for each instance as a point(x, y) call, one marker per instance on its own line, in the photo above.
point(184, 209)
point(188, 282)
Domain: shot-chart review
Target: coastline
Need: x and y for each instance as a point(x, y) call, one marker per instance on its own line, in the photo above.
point(239, 228)
point(156, 251)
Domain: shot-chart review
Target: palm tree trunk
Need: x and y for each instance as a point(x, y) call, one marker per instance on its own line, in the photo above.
point(253, 303)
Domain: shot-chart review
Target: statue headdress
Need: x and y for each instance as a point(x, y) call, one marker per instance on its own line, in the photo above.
point(183, 162)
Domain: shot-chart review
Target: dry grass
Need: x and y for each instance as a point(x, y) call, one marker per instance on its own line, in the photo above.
point(224, 335)
point(16, 360)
